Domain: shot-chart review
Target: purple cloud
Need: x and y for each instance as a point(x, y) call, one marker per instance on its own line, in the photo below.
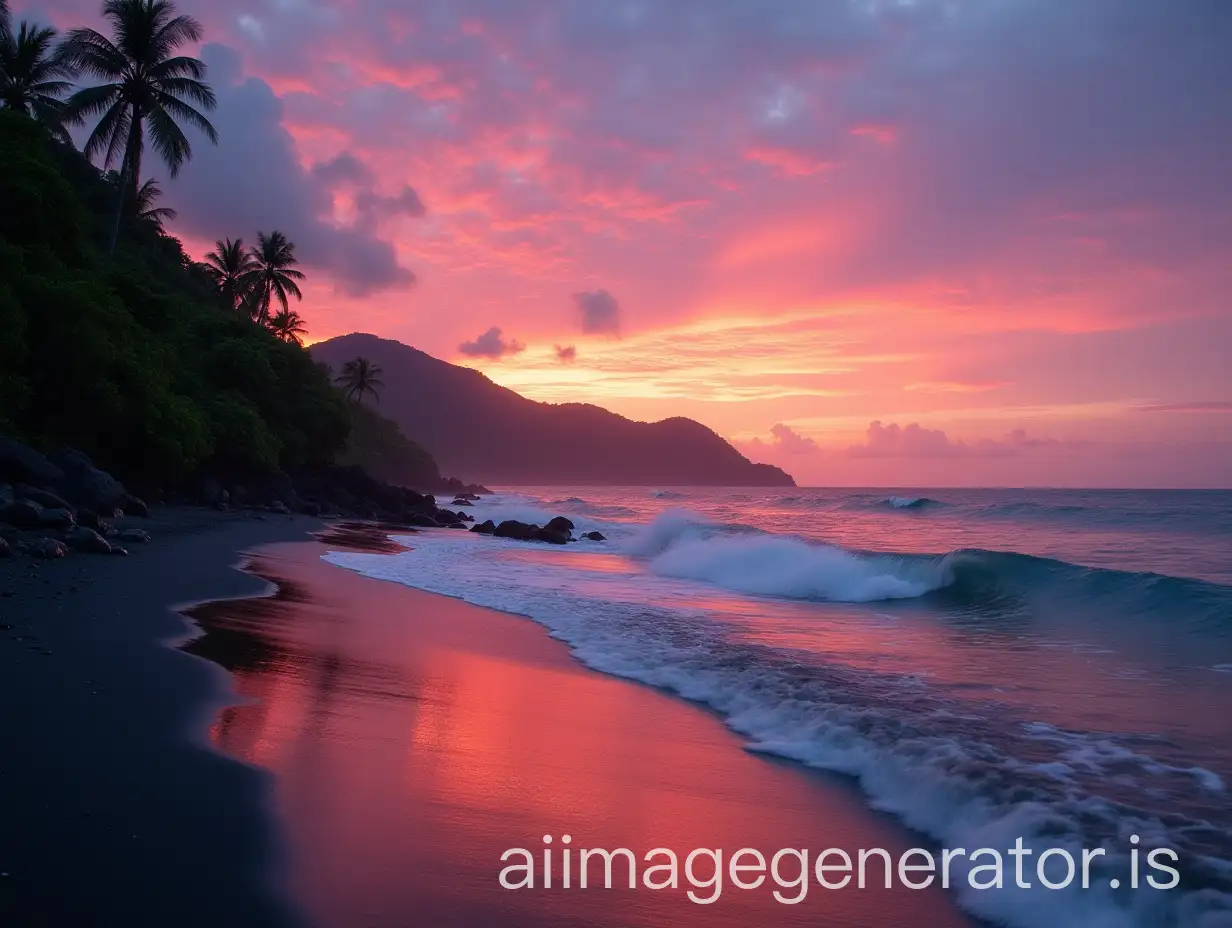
point(600, 313)
point(491, 344)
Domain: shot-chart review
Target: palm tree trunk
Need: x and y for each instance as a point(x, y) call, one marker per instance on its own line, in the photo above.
point(130, 176)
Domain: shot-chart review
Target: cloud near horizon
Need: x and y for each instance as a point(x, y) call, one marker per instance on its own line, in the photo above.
point(491, 344)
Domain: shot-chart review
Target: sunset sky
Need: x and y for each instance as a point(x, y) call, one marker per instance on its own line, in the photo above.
point(908, 242)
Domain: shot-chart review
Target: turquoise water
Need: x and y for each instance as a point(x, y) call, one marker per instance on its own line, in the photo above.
point(1055, 665)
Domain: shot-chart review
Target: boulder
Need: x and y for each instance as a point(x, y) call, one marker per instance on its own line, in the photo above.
point(7, 496)
point(22, 464)
point(134, 535)
point(116, 549)
point(560, 524)
point(421, 520)
point(554, 536)
point(91, 519)
point(136, 507)
point(56, 518)
point(213, 494)
point(594, 536)
point(485, 528)
point(5, 549)
point(511, 528)
point(279, 507)
point(461, 502)
point(44, 498)
point(81, 538)
point(86, 485)
point(23, 513)
point(46, 548)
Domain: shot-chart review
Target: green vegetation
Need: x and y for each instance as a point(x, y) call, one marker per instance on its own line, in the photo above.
point(382, 450)
point(146, 83)
point(134, 358)
point(112, 339)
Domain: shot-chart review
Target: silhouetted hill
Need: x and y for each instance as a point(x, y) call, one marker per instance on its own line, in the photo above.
point(481, 431)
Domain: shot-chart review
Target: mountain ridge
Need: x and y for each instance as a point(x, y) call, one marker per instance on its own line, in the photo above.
point(481, 431)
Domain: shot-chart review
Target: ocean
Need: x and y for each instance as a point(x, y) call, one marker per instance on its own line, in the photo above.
point(986, 664)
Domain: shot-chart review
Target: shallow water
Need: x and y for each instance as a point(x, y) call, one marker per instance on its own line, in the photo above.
point(988, 664)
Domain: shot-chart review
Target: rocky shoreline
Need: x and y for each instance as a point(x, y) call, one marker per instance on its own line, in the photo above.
point(61, 503)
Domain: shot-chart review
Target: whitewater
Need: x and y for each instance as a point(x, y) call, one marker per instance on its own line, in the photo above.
point(985, 664)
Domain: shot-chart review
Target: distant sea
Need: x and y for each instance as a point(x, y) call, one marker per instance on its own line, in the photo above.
point(1055, 664)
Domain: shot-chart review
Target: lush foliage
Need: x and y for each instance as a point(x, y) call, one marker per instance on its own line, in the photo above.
point(146, 83)
point(379, 447)
point(34, 75)
point(132, 357)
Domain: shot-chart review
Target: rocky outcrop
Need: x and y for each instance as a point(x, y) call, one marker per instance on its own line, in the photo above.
point(44, 548)
point(594, 536)
point(22, 513)
point(485, 528)
point(512, 528)
point(22, 464)
point(80, 538)
point(84, 484)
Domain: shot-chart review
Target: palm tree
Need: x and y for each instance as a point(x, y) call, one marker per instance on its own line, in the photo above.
point(146, 83)
point(275, 274)
point(360, 376)
point(289, 326)
point(233, 271)
point(34, 76)
point(147, 193)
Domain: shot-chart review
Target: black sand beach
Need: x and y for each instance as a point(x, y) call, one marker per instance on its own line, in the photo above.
point(112, 811)
point(374, 752)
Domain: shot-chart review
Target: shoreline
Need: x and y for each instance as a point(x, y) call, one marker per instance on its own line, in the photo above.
point(116, 808)
point(349, 681)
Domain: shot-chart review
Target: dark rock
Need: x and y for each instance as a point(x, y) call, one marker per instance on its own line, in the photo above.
point(421, 520)
point(91, 519)
point(81, 538)
point(44, 498)
point(213, 494)
point(594, 536)
point(310, 509)
point(7, 496)
point(511, 528)
point(485, 528)
point(116, 549)
point(461, 502)
point(136, 507)
point(56, 518)
point(279, 507)
point(46, 548)
point(560, 524)
point(553, 536)
point(86, 485)
point(134, 534)
point(22, 464)
point(5, 549)
point(23, 513)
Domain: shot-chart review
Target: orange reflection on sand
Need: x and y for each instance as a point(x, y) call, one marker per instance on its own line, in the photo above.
point(415, 738)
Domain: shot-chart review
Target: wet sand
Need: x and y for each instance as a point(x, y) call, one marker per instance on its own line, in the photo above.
point(114, 810)
point(414, 738)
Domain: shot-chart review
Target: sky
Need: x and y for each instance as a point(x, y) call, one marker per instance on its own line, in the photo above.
point(874, 242)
